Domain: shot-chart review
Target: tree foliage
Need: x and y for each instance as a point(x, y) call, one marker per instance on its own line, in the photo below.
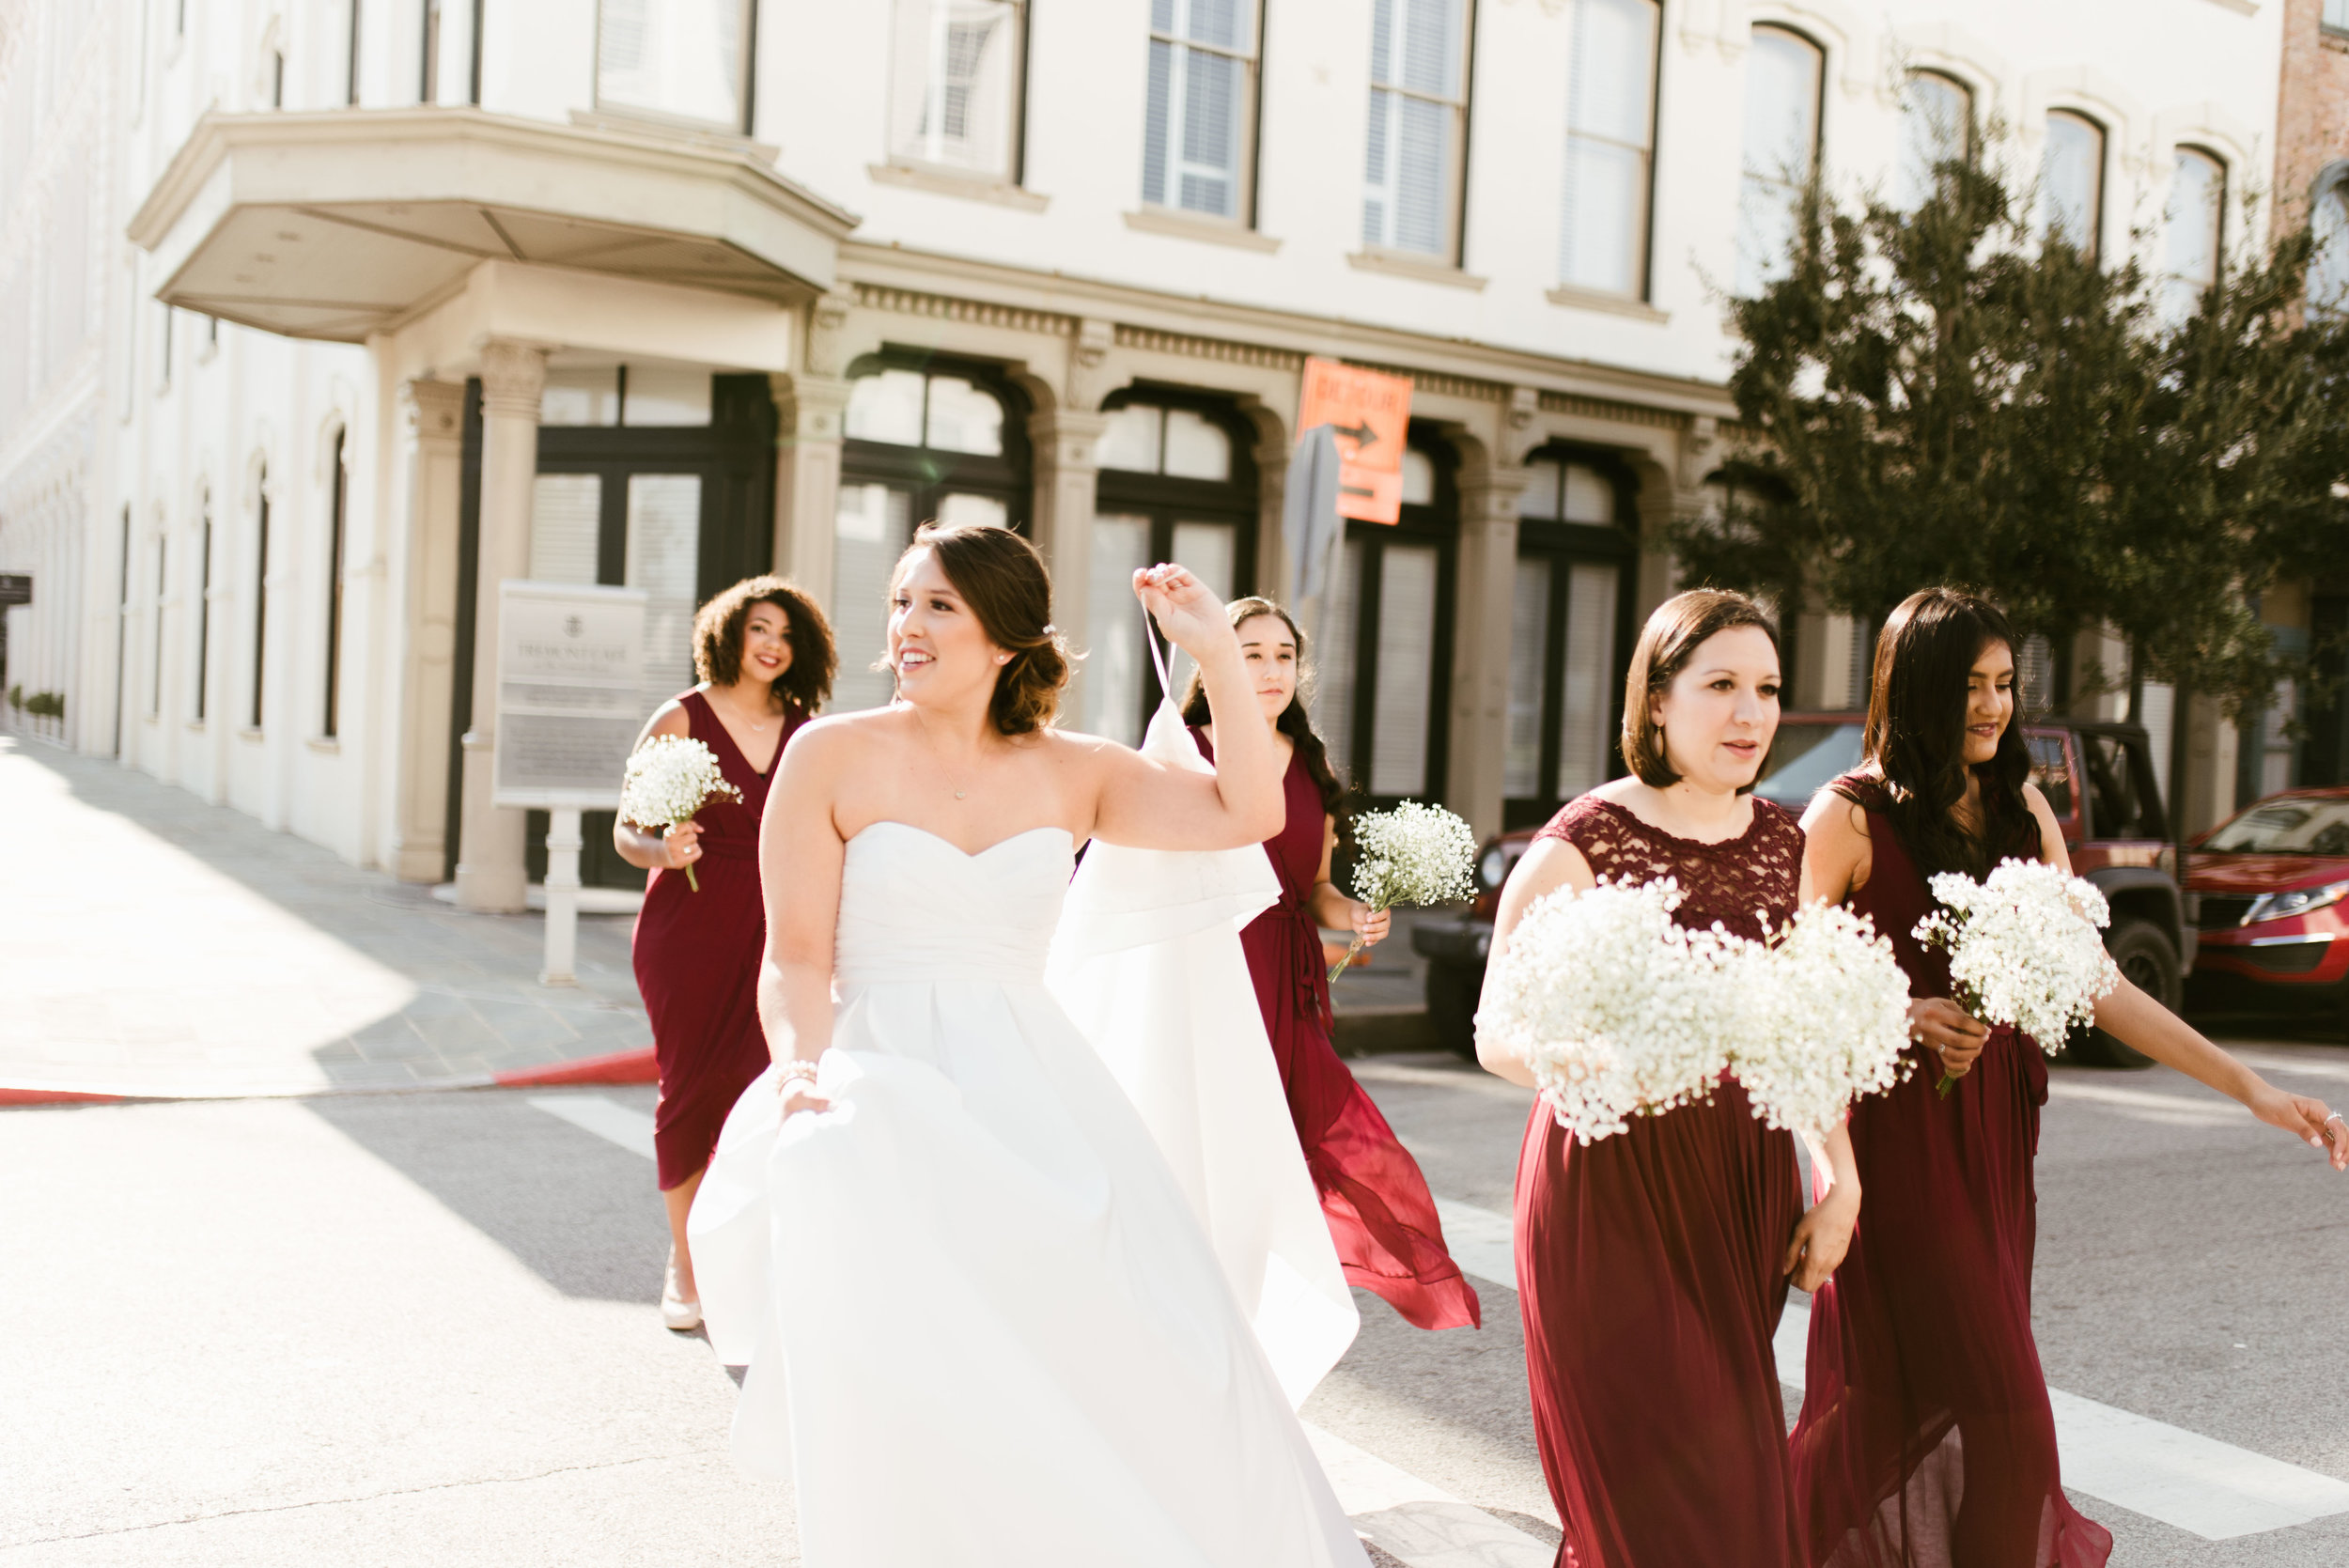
point(1944, 395)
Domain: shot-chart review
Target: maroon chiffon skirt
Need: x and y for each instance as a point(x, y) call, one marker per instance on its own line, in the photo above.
point(1649, 1273)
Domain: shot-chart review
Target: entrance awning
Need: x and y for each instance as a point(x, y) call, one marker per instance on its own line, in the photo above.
point(340, 223)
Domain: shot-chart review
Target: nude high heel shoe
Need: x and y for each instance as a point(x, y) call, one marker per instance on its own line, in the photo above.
point(678, 1312)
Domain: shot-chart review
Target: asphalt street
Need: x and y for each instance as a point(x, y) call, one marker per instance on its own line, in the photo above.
point(420, 1328)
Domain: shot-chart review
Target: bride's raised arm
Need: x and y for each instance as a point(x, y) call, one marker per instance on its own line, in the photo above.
point(1150, 806)
point(801, 854)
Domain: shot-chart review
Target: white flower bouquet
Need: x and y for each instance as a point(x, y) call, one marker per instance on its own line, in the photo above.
point(669, 778)
point(1826, 1020)
point(1414, 854)
point(1619, 1010)
point(2024, 948)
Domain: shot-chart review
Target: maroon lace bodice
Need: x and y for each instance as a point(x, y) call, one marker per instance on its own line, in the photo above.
point(1748, 884)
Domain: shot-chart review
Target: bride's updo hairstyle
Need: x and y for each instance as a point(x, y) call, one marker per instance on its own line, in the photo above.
point(1679, 627)
point(1002, 578)
point(1916, 737)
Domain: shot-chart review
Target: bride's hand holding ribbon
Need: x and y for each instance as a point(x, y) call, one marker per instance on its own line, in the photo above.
point(1192, 617)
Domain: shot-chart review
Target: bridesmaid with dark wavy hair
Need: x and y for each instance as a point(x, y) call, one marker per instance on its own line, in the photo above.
point(764, 653)
point(1375, 1201)
point(1926, 1438)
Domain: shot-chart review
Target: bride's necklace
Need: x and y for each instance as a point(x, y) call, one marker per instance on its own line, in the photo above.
point(952, 782)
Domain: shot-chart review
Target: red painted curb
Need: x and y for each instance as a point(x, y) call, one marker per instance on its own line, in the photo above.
point(623, 1066)
point(56, 1096)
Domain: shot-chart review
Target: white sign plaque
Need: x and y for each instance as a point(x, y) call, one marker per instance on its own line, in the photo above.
point(570, 697)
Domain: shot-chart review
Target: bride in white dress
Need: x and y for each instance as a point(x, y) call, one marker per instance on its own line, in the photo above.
point(983, 1324)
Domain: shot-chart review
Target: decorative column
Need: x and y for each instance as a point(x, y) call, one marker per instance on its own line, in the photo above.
point(431, 417)
point(489, 870)
point(808, 416)
point(1062, 442)
point(1490, 492)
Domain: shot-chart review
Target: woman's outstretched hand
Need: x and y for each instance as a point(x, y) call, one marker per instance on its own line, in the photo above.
point(2308, 1120)
point(1956, 1038)
point(1821, 1237)
point(1192, 617)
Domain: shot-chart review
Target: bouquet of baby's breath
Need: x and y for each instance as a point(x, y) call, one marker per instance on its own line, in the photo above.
point(1619, 1010)
point(669, 778)
point(1413, 855)
point(2023, 949)
point(1826, 1019)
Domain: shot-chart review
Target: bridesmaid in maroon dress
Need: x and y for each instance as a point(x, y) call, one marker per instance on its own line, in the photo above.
point(1376, 1203)
point(1651, 1265)
point(764, 653)
point(1926, 1438)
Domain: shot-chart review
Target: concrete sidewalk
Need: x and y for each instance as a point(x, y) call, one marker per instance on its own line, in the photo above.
point(153, 945)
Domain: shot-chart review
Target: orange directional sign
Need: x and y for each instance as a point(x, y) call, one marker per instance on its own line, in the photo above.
point(1370, 412)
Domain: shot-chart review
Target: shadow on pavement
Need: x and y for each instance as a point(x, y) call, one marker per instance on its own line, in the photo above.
point(478, 1007)
point(584, 1215)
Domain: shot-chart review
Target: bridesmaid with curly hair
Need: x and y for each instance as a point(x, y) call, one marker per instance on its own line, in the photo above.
point(764, 653)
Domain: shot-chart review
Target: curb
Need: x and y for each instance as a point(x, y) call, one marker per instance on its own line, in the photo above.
point(625, 1067)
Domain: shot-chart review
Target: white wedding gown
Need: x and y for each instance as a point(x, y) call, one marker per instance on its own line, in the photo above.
point(983, 1324)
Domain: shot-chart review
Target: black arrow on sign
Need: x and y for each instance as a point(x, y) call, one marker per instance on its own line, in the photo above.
point(1362, 434)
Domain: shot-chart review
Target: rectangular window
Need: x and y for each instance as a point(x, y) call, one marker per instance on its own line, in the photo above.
point(1529, 650)
point(957, 80)
point(204, 616)
point(2191, 223)
point(2336, 16)
point(1937, 129)
point(1200, 119)
point(261, 602)
point(428, 89)
point(351, 74)
point(871, 528)
point(664, 531)
point(681, 59)
point(566, 513)
point(338, 504)
point(1117, 666)
point(2072, 181)
point(1586, 732)
point(1407, 652)
point(1610, 121)
point(163, 579)
point(1784, 71)
point(1417, 126)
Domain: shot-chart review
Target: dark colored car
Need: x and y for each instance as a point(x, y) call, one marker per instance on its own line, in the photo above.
point(2098, 778)
point(2269, 887)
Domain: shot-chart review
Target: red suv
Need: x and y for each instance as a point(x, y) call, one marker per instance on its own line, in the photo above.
point(2268, 887)
point(2098, 778)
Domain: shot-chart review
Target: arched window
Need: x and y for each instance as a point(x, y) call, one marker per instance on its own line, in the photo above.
point(2193, 227)
point(1937, 129)
point(2072, 181)
point(2328, 268)
point(1569, 621)
point(1385, 658)
point(1783, 74)
point(1177, 483)
point(926, 439)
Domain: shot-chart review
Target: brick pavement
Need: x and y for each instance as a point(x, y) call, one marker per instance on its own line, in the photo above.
point(152, 944)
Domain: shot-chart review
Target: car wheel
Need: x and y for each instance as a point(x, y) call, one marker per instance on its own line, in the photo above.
point(1452, 990)
point(2151, 964)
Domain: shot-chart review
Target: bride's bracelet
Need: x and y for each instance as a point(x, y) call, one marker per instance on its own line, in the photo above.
point(798, 1070)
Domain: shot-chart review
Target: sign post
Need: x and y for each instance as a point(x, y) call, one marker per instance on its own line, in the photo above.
point(1370, 413)
point(569, 704)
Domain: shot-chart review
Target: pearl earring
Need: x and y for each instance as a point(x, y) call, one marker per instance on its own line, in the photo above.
point(1002, 659)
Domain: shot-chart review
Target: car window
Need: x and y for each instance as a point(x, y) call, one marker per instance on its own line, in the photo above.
point(2051, 770)
point(2121, 803)
point(2290, 826)
point(1804, 758)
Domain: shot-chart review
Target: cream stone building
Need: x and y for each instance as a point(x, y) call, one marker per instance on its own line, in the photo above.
point(318, 318)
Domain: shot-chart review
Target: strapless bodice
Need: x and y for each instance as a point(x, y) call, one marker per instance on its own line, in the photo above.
point(915, 910)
